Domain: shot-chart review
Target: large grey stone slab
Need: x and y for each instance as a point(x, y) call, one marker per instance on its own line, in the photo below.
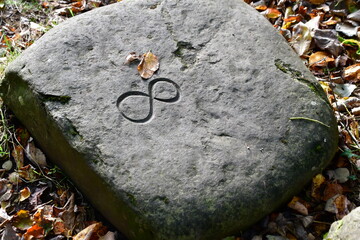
point(229, 128)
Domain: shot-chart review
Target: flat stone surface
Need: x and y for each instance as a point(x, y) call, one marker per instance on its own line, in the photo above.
point(347, 228)
point(230, 127)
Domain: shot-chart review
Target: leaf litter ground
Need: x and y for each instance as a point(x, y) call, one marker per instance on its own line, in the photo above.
point(39, 202)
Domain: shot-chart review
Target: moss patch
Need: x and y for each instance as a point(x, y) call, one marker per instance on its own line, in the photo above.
point(63, 99)
point(298, 76)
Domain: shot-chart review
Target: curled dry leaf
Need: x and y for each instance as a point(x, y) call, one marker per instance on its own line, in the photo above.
point(92, 231)
point(356, 111)
point(24, 194)
point(352, 73)
point(296, 205)
point(148, 65)
point(344, 104)
point(320, 59)
point(132, 57)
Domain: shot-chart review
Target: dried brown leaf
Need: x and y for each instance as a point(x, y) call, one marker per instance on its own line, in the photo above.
point(18, 155)
point(96, 229)
point(149, 65)
point(352, 73)
point(296, 205)
point(320, 59)
point(132, 57)
point(24, 194)
point(331, 190)
point(339, 205)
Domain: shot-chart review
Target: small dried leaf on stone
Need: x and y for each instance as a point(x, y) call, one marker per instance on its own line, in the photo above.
point(24, 194)
point(320, 59)
point(352, 72)
point(132, 57)
point(296, 205)
point(148, 66)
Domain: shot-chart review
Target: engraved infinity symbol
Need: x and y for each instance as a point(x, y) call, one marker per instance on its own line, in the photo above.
point(151, 98)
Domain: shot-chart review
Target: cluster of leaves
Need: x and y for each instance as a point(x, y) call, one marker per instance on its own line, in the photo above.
point(36, 200)
point(24, 21)
point(325, 35)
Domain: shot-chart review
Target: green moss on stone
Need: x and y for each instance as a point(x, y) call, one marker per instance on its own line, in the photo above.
point(298, 76)
point(63, 99)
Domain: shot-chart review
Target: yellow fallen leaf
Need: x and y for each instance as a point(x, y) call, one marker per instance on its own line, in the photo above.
point(149, 65)
point(317, 182)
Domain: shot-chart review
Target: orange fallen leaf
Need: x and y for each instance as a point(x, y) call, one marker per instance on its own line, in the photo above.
point(261, 7)
point(271, 13)
point(148, 66)
point(293, 19)
point(320, 59)
point(35, 232)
